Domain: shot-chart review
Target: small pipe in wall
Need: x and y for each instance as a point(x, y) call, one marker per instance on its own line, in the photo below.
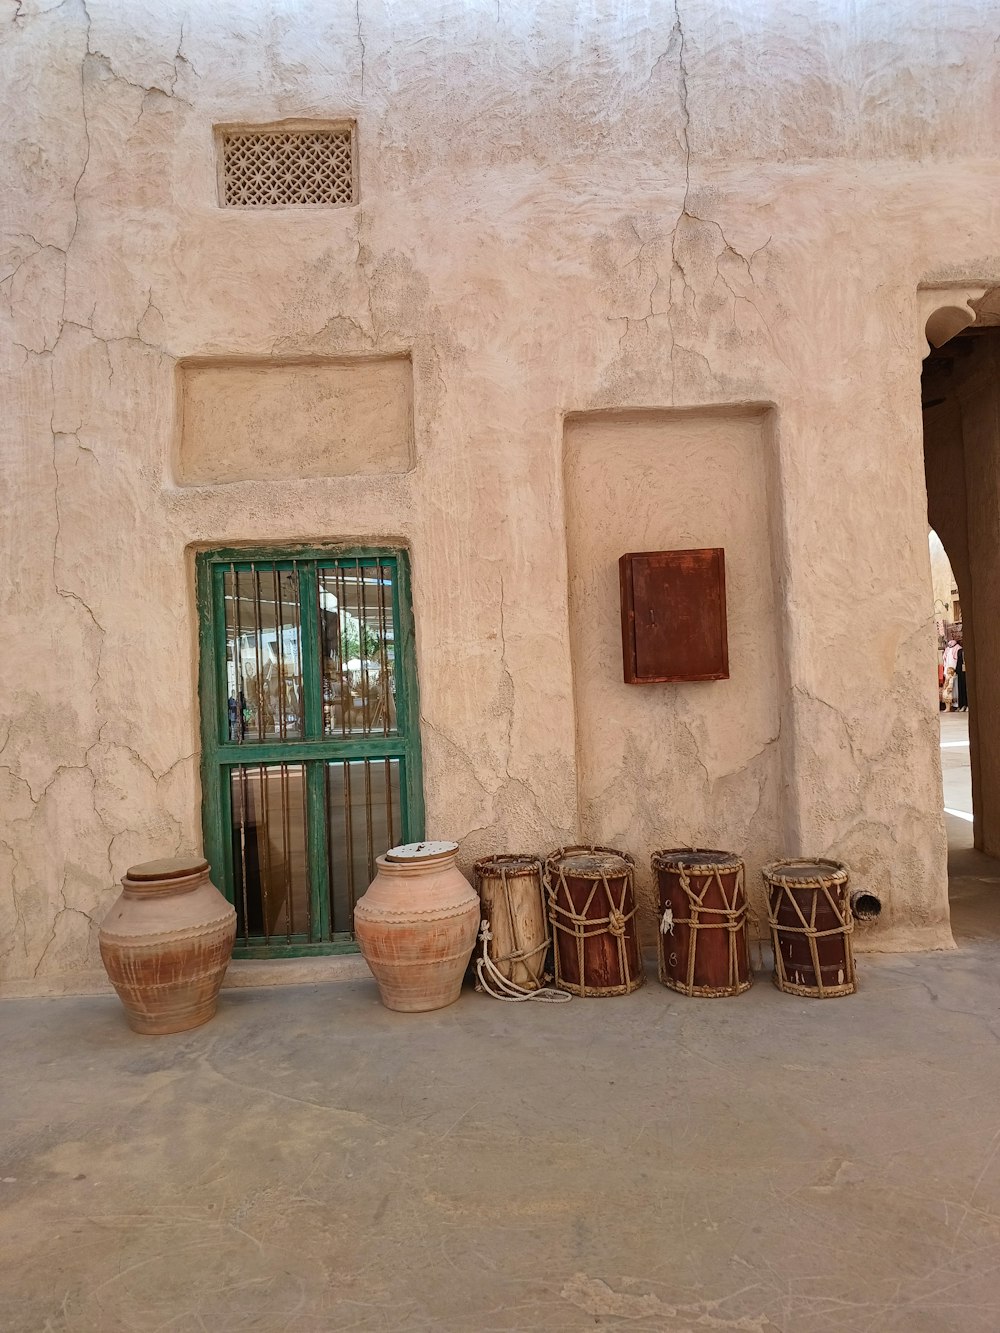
point(865, 905)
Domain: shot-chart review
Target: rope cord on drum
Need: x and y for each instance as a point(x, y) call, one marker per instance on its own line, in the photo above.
point(732, 917)
point(492, 981)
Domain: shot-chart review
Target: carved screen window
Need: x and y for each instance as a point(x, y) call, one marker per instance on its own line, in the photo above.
point(287, 166)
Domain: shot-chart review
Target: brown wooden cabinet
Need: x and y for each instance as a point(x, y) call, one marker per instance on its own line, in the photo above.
point(674, 615)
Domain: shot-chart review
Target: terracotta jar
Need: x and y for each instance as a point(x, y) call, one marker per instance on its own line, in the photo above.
point(417, 926)
point(166, 944)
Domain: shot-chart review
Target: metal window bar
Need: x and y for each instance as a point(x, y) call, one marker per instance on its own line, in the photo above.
point(295, 889)
point(359, 576)
point(384, 682)
point(344, 649)
point(373, 793)
point(349, 830)
point(243, 850)
point(269, 827)
point(279, 648)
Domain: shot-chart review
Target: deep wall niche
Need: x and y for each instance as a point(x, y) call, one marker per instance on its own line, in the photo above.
point(674, 764)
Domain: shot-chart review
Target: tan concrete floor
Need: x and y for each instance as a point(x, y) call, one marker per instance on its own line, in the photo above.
point(311, 1162)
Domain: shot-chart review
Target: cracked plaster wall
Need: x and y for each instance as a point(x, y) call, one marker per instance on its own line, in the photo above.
point(564, 209)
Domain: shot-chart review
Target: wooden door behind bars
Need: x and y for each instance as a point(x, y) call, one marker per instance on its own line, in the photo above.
point(310, 739)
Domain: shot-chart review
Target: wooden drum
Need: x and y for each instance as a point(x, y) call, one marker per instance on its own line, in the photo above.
point(591, 900)
point(510, 889)
point(809, 909)
point(703, 945)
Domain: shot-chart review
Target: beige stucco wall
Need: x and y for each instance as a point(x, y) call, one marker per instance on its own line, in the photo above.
point(564, 209)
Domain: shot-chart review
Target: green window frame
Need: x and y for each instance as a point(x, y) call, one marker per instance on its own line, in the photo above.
point(312, 747)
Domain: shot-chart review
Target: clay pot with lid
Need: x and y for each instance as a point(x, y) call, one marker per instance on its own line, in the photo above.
point(166, 944)
point(417, 926)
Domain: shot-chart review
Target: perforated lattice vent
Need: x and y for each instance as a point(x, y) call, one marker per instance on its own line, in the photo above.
point(283, 168)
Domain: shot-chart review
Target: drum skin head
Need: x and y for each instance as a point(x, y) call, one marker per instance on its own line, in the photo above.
point(686, 857)
point(806, 872)
point(512, 864)
point(593, 865)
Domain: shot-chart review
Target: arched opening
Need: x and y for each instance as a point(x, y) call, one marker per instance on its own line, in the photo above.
point(953, 695)
point(960, 387)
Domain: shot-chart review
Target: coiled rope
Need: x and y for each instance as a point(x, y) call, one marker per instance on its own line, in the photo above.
point(493, 982)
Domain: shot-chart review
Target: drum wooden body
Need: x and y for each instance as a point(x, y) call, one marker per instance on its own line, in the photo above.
point(809, 908)
point(702, 944)
point(591, 902)
point(510, 890)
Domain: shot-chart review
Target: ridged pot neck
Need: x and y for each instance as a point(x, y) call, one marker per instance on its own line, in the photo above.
point(415, 869)
point(163, 888)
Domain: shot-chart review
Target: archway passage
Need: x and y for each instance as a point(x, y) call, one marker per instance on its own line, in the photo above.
point(956, 771)
point(961, 411)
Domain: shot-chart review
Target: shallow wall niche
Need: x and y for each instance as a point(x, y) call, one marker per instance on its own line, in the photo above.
point(280, 420)
point(689, 764)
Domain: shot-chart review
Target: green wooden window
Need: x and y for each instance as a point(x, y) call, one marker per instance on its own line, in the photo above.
point(310, 736)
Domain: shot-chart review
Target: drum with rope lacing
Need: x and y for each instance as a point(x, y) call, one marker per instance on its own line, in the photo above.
point(703, 946)
point(510, 890)
point(591, 902)
point(809, 908)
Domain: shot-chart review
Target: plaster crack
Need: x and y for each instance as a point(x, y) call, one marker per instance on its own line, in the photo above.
point(185, 758)
point(86, 157)
point(682, 93)
point(657, 63)
point(39, 246)
point(510, 683)
point(461, 754)
point(814, 698)
point(62, 911)
point(15, 777)
point(150, 305)
point(19, 921)
point(53, 929)
point(67, 593)
point(178, 56)
point(697, 751)
point(639, 258)
point(19, 16)
point(166, 89)
point(361, 41)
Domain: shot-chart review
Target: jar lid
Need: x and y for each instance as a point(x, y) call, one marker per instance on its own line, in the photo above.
point(167, 867)
point(411, 852)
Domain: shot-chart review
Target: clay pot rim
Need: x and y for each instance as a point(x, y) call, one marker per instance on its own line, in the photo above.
point(515, 865)
point(443, 861)
point(164, 888)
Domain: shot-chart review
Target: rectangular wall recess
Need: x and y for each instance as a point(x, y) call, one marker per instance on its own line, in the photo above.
point(284, 420)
